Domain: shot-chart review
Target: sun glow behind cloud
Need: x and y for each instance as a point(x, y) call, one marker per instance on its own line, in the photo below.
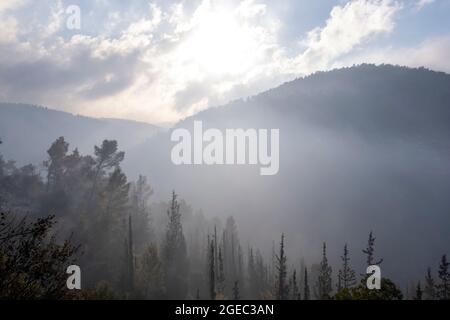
point(220, 44)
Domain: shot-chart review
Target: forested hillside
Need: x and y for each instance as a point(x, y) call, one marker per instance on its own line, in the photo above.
point(363, 179)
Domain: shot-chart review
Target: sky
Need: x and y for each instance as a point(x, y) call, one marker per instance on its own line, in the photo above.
point(162, 61)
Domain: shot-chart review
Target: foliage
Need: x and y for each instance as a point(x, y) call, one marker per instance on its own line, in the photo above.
point(323, 285)
point(388, 291)
point(32, 263)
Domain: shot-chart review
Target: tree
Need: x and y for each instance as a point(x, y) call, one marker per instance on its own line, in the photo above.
point(212, 274)
point(56, 197)
point(107, 157)
point(430, 287)
point(388, 291)
point(55, 165)
point(295, 289)
point(220, 276)
point(346, 277)
point(32, 263)
point(116, 198)
point(175, 254)
point(370, 251)
point(140, 194)
point(324, 279)
point(129, 260)
point(231, 253)
point(443, 288)
point(419, 292)
point(306, 292)
point(150, 274)
point(257, 275)
point(339, 284)
point(236, 294)
point(216, 251)
point(282, 289)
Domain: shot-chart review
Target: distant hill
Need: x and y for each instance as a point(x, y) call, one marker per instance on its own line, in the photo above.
point(27, 131)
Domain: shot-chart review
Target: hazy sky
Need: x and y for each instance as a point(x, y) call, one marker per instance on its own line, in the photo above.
point(159, 61)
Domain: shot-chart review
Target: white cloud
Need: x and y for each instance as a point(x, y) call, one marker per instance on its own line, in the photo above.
point(420, 4)
point(348, 26)
point(8, 23)
point(10, 4)
point(8, 29)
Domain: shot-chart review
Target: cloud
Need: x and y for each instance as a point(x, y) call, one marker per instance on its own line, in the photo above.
point(8, 23)
point(420, 4)
point(162, 62)
point(8, 29)
point(348, 26)
point(11, 4)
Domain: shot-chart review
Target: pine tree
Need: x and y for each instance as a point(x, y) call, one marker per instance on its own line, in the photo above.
point(107, 157)
point(346, 276)
point(175, 258)
point(55, 165)
point(430, 287)
point(116, 198)
point(306, 291)
point(282, 272)
point(324, 279)
point(370, 250)
point(419, 292)
point(444, 276)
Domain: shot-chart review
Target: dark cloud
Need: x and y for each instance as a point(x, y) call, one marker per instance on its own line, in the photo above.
point(49, 76)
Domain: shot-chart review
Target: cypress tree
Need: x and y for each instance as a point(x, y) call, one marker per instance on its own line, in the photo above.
point(175, 254)
point(444, 277)
point(282, 272)
point(346, 277)
point(324, 279)
point(306, 292)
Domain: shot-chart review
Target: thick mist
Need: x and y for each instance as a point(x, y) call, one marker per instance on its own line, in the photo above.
point(361, 149)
